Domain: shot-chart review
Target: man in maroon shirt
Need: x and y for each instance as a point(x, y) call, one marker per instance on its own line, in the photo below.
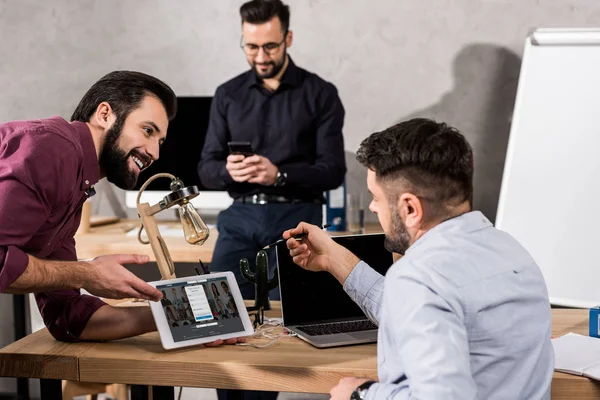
point(48, 169)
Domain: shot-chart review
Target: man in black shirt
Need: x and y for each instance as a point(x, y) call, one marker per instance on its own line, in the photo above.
point(293, 119)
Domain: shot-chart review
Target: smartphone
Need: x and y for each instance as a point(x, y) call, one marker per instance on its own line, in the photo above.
point(243, 148)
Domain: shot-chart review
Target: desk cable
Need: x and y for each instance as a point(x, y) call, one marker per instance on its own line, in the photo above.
point(268, 331)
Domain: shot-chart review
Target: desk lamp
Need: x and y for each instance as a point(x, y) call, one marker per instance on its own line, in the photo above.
point(195, 230)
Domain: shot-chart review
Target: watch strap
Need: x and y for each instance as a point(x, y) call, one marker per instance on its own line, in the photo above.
point(360, 392)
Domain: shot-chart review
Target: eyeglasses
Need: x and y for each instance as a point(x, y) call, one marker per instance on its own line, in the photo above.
point(269, 48)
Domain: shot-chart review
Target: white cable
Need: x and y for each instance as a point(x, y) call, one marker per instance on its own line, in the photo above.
point(267, 331)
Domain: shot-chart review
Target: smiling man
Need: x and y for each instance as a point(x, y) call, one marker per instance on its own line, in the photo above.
point(48, 168)
point(293, 120)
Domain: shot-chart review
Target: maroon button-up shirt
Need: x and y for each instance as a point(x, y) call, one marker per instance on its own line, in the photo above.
point(47, 170)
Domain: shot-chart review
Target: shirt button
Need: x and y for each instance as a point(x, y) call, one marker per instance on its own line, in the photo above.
point(87, 182)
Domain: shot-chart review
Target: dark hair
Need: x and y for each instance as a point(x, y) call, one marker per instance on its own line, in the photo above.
point(214, 288)
point(261, 11)
point(434, 161)
point(124, 91)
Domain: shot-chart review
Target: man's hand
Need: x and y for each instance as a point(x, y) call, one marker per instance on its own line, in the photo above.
point(313, 253)
point(345, 387)
point(238, 169)
point(318, 252)
point(252, 169)
point(109, 279)
point(265, 172)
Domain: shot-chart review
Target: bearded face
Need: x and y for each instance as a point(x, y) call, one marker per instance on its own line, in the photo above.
point(121, 168)
point(398, 239)
point(268, 69)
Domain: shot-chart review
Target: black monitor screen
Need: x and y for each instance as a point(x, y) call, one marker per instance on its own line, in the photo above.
point(181, 151)
point(308, 297)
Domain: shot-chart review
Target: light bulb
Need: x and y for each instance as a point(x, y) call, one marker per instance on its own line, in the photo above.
point(194, 229)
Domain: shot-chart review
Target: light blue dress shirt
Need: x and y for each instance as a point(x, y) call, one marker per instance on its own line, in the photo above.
point(463, 315)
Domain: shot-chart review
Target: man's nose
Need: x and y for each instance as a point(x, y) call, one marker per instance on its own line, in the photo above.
point(153, 150)
point(261, 56)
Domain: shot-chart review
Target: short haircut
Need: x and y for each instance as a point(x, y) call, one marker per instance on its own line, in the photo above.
point(432, 160)
point(124, 91)
point(260, 11)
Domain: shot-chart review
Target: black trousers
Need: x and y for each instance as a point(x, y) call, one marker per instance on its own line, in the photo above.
point(244, 229)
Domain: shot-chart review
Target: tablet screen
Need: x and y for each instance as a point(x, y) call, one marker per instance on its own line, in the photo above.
point(200, 308)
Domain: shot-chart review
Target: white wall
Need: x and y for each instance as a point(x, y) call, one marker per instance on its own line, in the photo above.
point(453, 60)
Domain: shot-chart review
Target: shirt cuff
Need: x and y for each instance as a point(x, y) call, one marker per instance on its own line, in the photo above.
point(15, 263)
point(387, 391)
point(226, 176)
point(361, 280)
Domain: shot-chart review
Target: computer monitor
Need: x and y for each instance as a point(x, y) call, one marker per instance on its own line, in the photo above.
point(180, 155)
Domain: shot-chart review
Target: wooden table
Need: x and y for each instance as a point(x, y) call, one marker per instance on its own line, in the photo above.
point(289, 365)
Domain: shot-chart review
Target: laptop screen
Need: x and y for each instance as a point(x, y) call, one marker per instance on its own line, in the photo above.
point(311, 297)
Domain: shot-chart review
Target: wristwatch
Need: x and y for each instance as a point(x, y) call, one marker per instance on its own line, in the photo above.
point(360, 393)
point(280, 179)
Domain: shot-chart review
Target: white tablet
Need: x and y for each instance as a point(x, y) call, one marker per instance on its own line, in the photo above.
point(200, 309)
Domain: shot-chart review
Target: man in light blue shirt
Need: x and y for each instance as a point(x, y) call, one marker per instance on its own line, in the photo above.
point(464, 314)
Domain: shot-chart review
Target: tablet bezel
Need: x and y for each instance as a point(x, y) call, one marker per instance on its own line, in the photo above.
point(164, 330)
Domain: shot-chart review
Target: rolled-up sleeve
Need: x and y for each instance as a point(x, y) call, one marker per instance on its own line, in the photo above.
point(13, 262)
point(66, 312)
point(364, 285)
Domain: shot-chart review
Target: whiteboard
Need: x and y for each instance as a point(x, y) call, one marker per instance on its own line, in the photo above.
point(550, 193)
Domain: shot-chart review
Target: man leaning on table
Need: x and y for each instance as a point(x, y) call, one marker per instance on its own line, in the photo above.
point(465, 313)
point(48, 168)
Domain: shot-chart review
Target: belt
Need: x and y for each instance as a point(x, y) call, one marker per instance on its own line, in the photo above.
point(262, 198)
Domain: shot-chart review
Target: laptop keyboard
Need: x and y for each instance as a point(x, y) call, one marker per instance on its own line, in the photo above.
point(338, 327)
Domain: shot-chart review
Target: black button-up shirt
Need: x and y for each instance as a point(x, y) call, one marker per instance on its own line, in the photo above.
point(298, 127)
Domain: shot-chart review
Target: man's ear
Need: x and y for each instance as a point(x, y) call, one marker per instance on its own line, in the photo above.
point(411, 210)
point(289, 39)
point(104, 115)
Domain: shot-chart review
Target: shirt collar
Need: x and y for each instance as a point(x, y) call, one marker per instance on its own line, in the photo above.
point(468, 222)
point(291, 76)
point(91, 169)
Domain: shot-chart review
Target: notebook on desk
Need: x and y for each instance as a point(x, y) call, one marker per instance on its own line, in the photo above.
point(577, 355)
point(314, 304)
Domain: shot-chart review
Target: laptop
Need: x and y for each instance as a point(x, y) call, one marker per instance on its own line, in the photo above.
point(315, 305)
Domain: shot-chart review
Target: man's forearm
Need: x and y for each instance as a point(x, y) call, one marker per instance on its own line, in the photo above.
point(111, 323)
point(342, 263)
point(45, 275)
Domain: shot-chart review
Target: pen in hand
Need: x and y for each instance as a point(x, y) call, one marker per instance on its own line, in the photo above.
point(297, 237)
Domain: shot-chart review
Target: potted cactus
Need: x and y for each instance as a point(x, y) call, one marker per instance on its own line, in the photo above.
point(260, 279)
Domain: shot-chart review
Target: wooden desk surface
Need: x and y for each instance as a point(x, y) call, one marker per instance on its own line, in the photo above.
point(288, 365)
point(113, 239)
